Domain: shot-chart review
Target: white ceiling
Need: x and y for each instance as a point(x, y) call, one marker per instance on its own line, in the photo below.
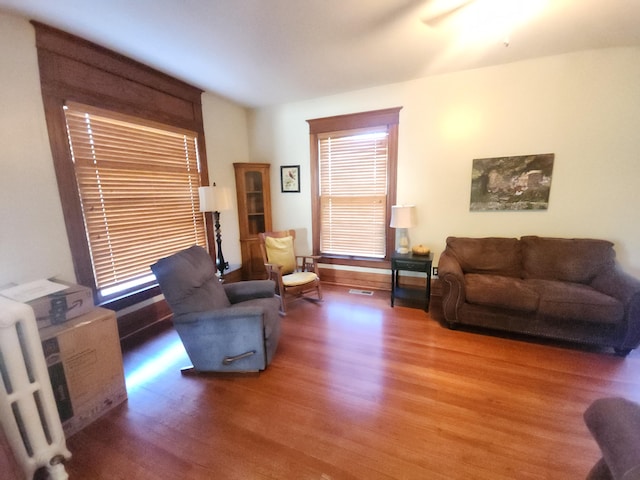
point(263, 52)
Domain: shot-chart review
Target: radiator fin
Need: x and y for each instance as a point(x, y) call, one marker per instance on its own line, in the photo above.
point(28, 365)
point(6, 380)
point(28, 411)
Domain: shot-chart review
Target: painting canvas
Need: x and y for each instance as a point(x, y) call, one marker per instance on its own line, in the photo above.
point(511, 183)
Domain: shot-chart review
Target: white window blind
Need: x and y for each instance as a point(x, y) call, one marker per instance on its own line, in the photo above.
point(138, 184)
point(353, 192)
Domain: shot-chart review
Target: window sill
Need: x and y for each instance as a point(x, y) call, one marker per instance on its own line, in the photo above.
point(356, 261)
point(131, 298)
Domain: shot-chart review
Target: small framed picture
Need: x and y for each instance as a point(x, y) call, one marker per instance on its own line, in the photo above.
point(290, 178)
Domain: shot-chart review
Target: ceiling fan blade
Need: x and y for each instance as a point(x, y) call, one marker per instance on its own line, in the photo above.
point(437, 18)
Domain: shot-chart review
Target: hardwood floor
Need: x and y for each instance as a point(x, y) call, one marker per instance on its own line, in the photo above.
point(359, 390)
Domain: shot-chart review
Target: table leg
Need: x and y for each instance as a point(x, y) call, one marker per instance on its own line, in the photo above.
point(394, 281)
point(428, 291)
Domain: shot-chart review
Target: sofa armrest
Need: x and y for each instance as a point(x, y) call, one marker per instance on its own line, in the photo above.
point(618, 284)
point(622, 286)
point(248, 290)
point(452, 278)
point(615, 425)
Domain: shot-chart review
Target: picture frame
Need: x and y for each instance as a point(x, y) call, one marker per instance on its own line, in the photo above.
point(290, 178)
point(517, 183)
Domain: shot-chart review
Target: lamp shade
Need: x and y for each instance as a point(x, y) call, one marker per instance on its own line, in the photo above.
point(403, 216)
point(214, 199)
point(207, 199)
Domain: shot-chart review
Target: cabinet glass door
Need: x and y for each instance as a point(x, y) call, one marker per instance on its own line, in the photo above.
point(255, 202)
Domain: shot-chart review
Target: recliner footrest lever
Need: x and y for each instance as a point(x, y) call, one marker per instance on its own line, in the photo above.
point(230, 360)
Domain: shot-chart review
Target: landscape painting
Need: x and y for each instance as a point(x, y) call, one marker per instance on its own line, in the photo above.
point(511, 183)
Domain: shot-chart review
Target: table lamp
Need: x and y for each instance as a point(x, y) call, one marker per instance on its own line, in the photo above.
point(403, 217)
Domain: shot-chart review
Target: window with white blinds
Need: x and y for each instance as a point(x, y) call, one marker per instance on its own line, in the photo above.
point(138, 184)
point(353, 185)
point(353, 179)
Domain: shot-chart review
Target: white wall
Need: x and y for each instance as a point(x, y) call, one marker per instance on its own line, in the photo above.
point(33, 238)
point(584, 107)
point(227, 142)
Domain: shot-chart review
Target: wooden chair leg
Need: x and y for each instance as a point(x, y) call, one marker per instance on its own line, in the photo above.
point(283, 306)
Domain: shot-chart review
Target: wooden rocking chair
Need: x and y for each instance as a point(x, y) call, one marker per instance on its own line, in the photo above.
point(294, 275)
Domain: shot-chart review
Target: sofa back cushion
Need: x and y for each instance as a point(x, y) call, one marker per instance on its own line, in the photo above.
point(494, 255)
point(577, 260)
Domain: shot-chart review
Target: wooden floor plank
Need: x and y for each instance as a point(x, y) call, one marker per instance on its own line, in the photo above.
point(359, 390)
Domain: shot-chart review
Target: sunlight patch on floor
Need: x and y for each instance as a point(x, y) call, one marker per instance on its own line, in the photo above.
point(154, 366)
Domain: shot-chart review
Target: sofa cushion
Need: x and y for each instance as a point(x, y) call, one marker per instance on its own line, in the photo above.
point(500, 291)
point(575, 301)
point(577, 260)
point(498, 256)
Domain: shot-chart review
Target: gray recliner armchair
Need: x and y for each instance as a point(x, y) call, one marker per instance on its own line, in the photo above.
point(615, 425)
point(224, 327)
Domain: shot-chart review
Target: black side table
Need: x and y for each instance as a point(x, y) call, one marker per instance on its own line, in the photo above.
point(412, 263)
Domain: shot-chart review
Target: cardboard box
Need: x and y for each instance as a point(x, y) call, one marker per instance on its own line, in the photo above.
point(62, 306)
point(53, 301)
point(84, 360)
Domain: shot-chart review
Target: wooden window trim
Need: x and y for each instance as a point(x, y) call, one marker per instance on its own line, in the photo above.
point(73, 69)
point(386, 117)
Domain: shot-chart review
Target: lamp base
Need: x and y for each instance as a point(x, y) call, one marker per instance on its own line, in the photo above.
point(403, 244)
point(221, 264)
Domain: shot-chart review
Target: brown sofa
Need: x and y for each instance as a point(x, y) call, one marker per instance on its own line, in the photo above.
point(567, 289)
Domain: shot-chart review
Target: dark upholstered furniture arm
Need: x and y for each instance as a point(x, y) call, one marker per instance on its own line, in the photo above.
point(235, 313)
point(230, 339)
point(615, 425)
point(248, 290)
point(624, 287)
point(452, 279)
point(618, 284)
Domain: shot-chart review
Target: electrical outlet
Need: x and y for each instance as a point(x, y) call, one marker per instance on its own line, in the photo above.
point(435, 271)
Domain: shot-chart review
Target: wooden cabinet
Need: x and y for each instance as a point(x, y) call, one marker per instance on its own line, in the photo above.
point(254, 214)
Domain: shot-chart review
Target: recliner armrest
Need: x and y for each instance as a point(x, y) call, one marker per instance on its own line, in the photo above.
point(250, 289)
point(615, 425)
point(227, 340)
point(232, 313)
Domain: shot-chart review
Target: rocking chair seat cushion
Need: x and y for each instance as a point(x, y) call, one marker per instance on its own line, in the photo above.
point(280, 252)
point(298, 278)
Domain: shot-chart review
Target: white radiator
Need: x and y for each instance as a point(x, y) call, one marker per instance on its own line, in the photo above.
point(28, 412)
